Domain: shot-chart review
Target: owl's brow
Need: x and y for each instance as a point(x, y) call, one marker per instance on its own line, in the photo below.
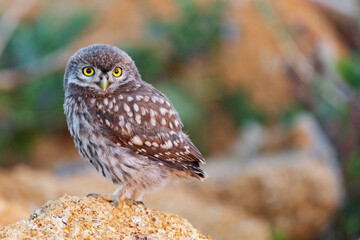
point(83, 60)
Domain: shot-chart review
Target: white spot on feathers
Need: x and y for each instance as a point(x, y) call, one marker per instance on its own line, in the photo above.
point(152, 113)
point(137, 140)
point(176, 123)
point(126, 107)
point(121, 120)
point(163, 121)
point(138, 118)
point(163, 111)
point(168, 144)
point(136, 107)
point(153, 121)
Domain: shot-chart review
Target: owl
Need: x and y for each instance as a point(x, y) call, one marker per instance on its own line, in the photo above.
point(127, 129)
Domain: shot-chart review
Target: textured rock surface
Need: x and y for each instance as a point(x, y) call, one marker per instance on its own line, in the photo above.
point(90, 218)
point(296, 194)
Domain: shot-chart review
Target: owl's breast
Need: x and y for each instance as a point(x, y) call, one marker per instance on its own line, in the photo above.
point(79, 119)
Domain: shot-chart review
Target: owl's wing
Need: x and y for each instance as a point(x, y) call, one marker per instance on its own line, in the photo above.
point(148, 124)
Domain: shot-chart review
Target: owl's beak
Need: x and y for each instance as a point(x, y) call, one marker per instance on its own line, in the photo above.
point(104, 83)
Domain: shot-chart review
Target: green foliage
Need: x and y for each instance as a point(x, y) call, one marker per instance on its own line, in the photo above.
point(33, 40)
point(289, 114)
point(350, 70)
point(241, 108)
point(33, 108)
point(350, 219)
point(37, 106)
point(196, 31)
point(188, 109)
point(278, 234)
point(150, 64)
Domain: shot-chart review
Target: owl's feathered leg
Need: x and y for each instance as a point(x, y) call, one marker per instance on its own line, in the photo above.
point(125, 191)
point(136, 197)
point(121, 192)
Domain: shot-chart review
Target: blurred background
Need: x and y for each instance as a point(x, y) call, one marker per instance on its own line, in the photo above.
point(269, 91)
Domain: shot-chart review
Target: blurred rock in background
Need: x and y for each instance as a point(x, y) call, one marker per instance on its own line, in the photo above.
point(267, 89)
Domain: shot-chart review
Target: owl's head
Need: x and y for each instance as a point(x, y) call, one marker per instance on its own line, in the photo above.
point(100, 68)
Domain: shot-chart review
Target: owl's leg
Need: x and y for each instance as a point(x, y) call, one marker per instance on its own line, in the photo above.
point(136, 197)
point(121, 193)
point(126, 191)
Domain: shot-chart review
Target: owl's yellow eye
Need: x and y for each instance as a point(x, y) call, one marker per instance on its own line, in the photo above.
point(117, 72)
point(88, 71)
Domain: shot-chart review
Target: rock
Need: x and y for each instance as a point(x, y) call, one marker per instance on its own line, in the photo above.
point(296, 186)
point(90, 218)
point(33, 187)
point(219, 220)
point(294, 193)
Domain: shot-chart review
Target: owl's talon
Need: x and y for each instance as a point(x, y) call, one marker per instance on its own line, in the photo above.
point(136, 203)
point(107, 197)
point(115, 203)
point(92, 195)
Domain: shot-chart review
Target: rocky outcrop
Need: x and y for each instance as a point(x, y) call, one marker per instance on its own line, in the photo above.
point(89, 218)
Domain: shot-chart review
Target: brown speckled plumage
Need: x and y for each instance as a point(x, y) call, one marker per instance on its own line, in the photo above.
point(129, 131)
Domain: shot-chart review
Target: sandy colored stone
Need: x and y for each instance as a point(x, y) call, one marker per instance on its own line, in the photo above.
point(294, 193)
point(89, 218)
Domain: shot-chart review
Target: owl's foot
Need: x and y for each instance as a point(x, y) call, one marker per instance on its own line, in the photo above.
point(137, 203)
point(107, 197)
